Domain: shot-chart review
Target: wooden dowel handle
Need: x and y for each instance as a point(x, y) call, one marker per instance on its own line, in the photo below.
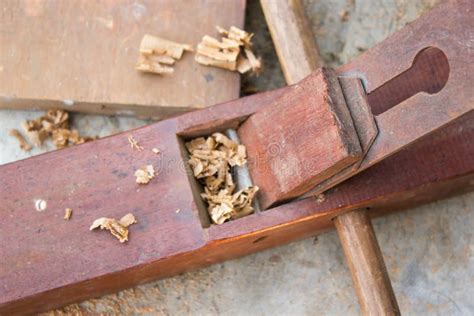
point(363, 255)
point(294, 41)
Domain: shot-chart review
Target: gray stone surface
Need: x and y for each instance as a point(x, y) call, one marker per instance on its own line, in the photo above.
point(428, 250)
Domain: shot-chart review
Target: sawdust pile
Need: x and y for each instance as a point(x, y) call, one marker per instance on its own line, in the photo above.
point(211, 160)
point(228, 53)
point(158, 55)
point(117, 228)
point(55, 125)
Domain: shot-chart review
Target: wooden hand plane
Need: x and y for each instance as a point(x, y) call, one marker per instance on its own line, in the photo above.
point(301, 140)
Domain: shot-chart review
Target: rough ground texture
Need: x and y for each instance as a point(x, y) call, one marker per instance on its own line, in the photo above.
point(428, 250)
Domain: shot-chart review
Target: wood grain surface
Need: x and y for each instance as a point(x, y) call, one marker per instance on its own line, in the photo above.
point(48, 262)
point(301, 139)
point(81, 55)
point(361, 249)
point(293, 39)
point(365, 260)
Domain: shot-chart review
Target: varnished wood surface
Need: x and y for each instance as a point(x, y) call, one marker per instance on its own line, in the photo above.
point(301, 139)
point(81, 55)
point(293, 39)
point(369, 274)
point(365, 260)
point(48, 262)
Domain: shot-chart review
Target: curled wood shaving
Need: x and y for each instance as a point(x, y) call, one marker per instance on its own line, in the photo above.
point(211, 160)
point(229, 52)
point(145, 174)
point(134, 144)
point(67, 214)
point(117, 228)
point(55, 125)
point(23, 143)
point(224, 205)
point(157, 55)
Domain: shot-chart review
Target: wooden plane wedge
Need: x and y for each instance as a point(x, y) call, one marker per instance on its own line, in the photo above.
point(47, 262)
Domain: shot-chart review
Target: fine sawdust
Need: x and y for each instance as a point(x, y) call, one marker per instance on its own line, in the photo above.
point(55, 125)
point(144, 174)
point(117, 228)
point(158, 55)
point(228, 53)
point(211, 160)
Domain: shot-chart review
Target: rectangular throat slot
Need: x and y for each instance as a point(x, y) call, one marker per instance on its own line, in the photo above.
point(219, 177)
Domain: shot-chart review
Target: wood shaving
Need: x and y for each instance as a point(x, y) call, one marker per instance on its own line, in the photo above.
point(145, 174)
point(228, 53)
point(55, 125)
point(155, 150)
point(67, 214)
point(23, 143)
point(134, 144)
point(117, 228)
point(157, 55)
point(211, 160)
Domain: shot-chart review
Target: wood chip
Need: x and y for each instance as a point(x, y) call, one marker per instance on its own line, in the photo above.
point(23, 143)
point(117, 228)
point(145, 174)
point(134, 144)
point(55, 125)
point(228, 52)
point(155, 150)
point(211, 160)
point(67, 214)
point(157, 55)
point(127, 220)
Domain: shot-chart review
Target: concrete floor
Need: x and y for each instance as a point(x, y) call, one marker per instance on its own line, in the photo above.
point(428, 250)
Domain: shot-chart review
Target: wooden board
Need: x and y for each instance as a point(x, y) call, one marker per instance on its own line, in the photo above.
point(80, 55)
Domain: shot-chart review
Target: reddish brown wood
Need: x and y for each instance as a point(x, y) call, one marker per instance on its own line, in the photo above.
point(365, 260)
point(47, 262)
point(428, 57)
point(369, 274)
point(301, 139)
point(444, 28)
point(429, 73)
